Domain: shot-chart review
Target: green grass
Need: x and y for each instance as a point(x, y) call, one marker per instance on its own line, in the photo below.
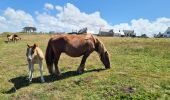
point(140, 70)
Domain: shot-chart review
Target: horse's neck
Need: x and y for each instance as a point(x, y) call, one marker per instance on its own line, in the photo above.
point(88, 36)
point(100, 46)
point(39, 53)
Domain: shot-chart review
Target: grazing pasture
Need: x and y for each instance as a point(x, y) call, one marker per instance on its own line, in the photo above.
point(140, 69)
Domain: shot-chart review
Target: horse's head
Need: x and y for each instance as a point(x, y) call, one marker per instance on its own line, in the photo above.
point(30, 52)
point(8, 35)
point(104, 57)
point(103, 53)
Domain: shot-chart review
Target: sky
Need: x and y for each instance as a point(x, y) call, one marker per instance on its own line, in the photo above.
point(143, 16)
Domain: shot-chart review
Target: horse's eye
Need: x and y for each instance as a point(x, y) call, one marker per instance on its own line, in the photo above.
point(106, 53)
point(32, 52)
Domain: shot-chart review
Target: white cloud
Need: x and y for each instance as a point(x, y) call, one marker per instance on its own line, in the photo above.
point(144, 26)
point(15, 20)
point(59, 8)
point(69, 17)
point(48, 6)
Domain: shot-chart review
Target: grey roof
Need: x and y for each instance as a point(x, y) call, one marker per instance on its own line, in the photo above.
point(167, 30)
point(128, 31)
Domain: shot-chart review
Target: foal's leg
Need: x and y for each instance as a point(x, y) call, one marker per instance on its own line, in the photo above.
point(31, 71)
point(56, 59)
point(41, 71)
point(80, 69)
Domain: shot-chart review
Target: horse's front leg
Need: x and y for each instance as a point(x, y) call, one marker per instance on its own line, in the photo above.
point(31, 71)
point(8, 40)
point(80, 69)
point(56, 59)
point(41, 71)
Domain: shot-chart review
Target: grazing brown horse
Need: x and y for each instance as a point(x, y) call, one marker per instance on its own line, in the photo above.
point(16, 38)
point(74, 46)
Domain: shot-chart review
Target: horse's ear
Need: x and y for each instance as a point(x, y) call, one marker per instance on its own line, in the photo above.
point(35, 45)
point(106, 53)
point(28, 45)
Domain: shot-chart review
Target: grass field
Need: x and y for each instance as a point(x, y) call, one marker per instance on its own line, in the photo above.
point(140, 69)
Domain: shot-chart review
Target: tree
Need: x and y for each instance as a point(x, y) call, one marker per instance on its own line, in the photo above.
point(159, 35)
point(144, 36)
point(29, 29)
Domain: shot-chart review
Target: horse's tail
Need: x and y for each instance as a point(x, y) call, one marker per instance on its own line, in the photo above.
point(49, 57)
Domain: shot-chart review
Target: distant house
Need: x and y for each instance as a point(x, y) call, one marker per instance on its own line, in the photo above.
point(167, 33)
point(106, 32)
point(159, 35)
point(51, 32)
point(118, 33)
point(129, 33)
point(81, 31)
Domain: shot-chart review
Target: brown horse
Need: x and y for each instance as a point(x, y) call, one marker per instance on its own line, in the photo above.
point(74, 46)
point(13, 38)
point(16, 38)
point(9, 38)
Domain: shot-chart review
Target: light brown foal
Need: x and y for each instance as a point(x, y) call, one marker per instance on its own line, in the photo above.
point(34, 56)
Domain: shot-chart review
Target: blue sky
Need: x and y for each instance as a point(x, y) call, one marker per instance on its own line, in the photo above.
point(116, 13)
point(113, 11)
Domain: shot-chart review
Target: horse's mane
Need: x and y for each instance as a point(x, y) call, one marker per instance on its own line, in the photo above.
point(101, 49)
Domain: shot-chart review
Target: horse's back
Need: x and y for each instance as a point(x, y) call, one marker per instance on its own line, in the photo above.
point(73, 45)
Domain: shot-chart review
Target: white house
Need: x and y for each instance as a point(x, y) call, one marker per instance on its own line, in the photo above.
point(118, 33)
point(167, 33)
point(106, 32)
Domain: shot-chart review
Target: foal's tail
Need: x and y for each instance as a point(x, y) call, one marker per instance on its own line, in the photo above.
point(49, 57)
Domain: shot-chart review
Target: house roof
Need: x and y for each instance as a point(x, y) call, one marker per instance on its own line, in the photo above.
point(168, 29)
point(106, 30)
point(128, 31)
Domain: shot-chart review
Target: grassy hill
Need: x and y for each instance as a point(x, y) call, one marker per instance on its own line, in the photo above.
point(140, 69)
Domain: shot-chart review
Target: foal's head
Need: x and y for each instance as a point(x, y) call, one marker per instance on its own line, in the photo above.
point(30, 52)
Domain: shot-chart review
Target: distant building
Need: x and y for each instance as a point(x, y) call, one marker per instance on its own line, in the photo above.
point(129, 33)
point(167, 33)
point(81, 31)
point(106, 32)
point(118, 33)
point(52, 32)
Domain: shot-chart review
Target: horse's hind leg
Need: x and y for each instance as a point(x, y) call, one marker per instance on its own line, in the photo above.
point(56, 59)
point(80, 69)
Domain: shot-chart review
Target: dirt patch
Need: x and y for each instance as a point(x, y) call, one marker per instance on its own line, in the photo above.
point(128, 89)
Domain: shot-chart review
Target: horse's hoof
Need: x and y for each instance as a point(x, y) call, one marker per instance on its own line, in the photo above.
point(58, 74)
point(42, 81)
point(107, 67)
point(30, 82)
point(80, 72)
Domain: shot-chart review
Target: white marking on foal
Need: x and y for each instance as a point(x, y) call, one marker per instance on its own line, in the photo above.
point(29, 54)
